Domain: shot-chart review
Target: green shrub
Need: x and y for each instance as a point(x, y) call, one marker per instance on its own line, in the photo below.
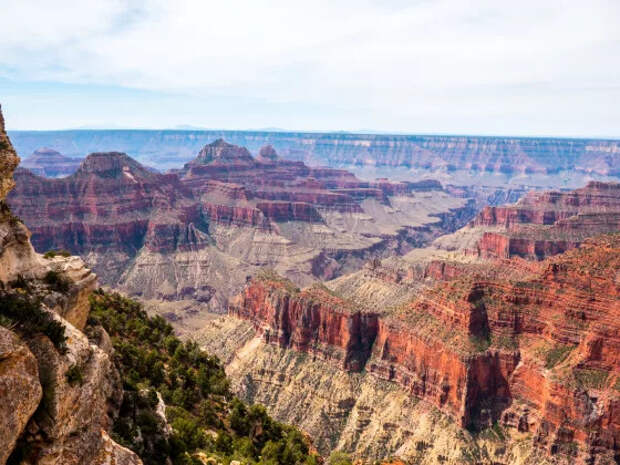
point(53, 253)
point(56, 281)
point(74, 375)
point(26, 314)
point(339, 458)
point(196, 391)
point(557, 355)
point(591, 378)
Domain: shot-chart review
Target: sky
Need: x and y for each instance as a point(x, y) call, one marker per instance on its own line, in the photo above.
point(532, 67)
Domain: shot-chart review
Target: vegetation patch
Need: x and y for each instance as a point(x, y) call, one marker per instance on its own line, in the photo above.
point(504, 341)
point(270, 276)
point(57, 282)
point(591, 378)
point(557, 355)
point(24, 314)
point(56, 253)
point(75, 375)
point(204, 415)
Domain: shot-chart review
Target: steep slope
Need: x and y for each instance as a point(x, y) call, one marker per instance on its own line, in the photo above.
point(485, 340)
point(539, 225)
point(198, 233)
point(71, 393)
point(110, 208)
point(542, 224)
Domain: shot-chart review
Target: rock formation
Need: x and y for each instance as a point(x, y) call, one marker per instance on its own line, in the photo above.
point(20, 390)
point(9, 161)
point(197, 233)
point(489, 340)
point(544, 224)
point(535, 351)
point(50, 163)
point(59, 392)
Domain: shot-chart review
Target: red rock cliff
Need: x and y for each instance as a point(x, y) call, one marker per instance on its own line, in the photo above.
point(535, 347)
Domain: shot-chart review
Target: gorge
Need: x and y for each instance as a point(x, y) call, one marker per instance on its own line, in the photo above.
point(433, 323)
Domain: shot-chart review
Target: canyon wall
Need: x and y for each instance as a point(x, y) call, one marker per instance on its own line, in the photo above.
point(535, 352)
point(548, 223)
point(196, 233)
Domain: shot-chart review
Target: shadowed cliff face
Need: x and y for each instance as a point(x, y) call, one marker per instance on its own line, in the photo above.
point(198, 232)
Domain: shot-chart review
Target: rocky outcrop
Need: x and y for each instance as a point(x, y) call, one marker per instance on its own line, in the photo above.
point(20, 390)
point(220, 152)
point(267, 153)
point(68, 426)
point(290, 211)
point(544, 224)
point(469, 159)
point(112, 453)
point(50, 163)
point(59, 393)
point(8, 161)
point(312, 321)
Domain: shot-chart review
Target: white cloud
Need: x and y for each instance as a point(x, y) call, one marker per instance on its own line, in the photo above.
point(451, 65)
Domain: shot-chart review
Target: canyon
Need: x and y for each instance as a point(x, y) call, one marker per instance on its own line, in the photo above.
point(50, 163)
point(198, 232)
point(436, 322)
point(460, 160)
point(514, 354)
point(88, 378)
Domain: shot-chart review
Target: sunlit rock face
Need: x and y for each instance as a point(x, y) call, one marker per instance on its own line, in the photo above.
point(526, 343)
point(545, 224)
point(8, 161)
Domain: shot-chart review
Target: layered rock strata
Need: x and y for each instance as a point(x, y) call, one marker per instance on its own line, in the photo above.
point(533, 348)
point(548, 223)
point(546, 162)
point(50, 163)
point(198, 232)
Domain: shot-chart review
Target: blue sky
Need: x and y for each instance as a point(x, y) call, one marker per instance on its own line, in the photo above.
point(444, 66)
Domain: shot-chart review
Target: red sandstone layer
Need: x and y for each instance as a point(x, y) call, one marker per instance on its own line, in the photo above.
point(549, 223)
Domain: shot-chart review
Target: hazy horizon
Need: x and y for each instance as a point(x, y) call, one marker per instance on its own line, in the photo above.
point(362, 132)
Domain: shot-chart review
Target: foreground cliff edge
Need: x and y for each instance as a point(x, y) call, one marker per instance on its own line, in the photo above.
point(44, 307)
point(82, 372)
